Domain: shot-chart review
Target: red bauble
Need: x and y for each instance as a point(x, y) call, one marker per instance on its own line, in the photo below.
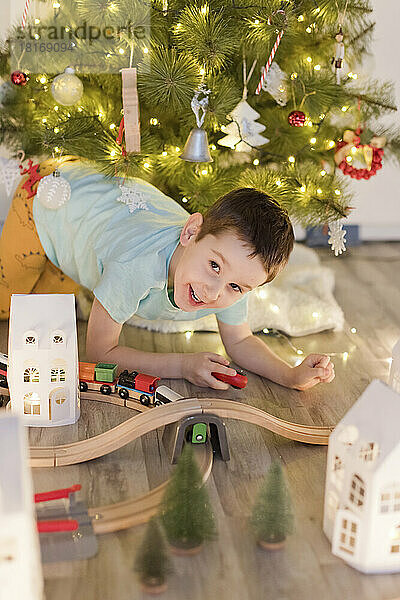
point(297, 118)
point(19, 78)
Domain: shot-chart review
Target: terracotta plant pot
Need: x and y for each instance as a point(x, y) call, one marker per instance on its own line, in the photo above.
point(182, 550)
point(271, 545)
point(153, 588)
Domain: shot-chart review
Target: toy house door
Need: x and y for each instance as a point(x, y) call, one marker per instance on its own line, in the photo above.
point(59, 404)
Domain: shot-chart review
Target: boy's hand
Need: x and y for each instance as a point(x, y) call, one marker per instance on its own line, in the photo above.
point(315, 368)
point(197, 369)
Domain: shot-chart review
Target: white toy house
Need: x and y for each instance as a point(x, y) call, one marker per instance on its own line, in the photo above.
point(43, 359)
point(362, 490)
point(20, 567)
point(394, 376)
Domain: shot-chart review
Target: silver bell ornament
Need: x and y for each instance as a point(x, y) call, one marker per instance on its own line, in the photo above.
point(196, 147)
point(53, 191)
point(67, 88)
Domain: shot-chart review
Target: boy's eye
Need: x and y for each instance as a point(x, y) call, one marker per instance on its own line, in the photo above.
point(235, 287)
point(214, 266)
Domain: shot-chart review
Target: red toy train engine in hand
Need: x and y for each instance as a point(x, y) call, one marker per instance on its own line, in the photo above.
point(237, 381)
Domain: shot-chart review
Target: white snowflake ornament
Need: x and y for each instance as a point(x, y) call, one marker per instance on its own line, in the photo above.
point(132, 196)
point(53, 191)
point(337, 237)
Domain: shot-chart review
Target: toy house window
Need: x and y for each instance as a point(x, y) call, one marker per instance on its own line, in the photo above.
point(30, 339)
point(338, 471)
point(369, 452)
point(395, 541)
point(31, 375)
point(57, 374)
point(348, 536)
point(357, 492)
point(390, 500)
point(57, 338)
point(31, 404)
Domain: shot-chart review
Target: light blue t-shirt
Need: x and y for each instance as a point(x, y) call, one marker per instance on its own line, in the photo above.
point(122, 256)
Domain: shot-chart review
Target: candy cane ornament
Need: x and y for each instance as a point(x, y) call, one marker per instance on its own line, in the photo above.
point(25, 13)
point(269, 61)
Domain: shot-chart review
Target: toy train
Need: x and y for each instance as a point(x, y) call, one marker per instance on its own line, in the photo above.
point(138, 386)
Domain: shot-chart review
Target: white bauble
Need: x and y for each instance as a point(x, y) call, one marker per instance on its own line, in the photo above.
point(53, 191)
point(67, 88)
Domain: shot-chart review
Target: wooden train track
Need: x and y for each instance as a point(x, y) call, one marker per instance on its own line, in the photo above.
point(150, 419)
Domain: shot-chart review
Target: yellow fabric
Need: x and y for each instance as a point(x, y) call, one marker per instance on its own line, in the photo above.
point(24, 267)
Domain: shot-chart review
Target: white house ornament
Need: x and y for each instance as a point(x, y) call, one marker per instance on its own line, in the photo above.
point(132, 196)
point(67, 88)
point(53, 191)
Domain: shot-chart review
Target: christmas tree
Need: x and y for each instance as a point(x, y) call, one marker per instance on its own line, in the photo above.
point(186, 513)
point(293, 62)
point(152, 562)
point(272, 517)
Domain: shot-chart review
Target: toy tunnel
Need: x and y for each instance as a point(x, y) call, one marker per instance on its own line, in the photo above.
point(196, 429)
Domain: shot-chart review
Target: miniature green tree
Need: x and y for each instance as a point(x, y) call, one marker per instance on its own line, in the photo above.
point(186, 512)
point(152, 562)
point(272, 517)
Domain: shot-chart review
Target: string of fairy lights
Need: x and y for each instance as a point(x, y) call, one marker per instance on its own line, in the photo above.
point(298, 353)
point(310, 27)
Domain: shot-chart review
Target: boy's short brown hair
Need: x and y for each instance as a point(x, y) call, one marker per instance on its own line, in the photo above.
point(258, 220)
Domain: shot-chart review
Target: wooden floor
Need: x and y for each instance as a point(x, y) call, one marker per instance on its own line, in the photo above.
point(233, 568)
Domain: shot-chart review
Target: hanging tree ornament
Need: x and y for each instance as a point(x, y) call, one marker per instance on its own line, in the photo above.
point(130, 103)
point(351, 147)
point(133, 196)
point(274, 82)
point(296, 118)
point(19, 78)
point(67, 88)
point(243, 133)
point(337, 237)
point(267, 67)
point(33, 178)
point(338, 60)
point(196, 148)
point(53, 190)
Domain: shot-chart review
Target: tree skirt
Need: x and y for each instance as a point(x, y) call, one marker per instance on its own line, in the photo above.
point(298, 302)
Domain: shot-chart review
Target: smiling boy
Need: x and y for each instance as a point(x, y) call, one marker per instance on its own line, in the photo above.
point(153, 259)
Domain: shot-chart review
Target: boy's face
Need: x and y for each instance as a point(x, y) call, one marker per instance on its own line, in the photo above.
point(214, 272)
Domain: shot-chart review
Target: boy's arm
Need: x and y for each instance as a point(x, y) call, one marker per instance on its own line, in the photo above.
point(251, 353)
point(102, 345)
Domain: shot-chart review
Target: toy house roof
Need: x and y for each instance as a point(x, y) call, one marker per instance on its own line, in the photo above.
point(376, 417)
point(42, 313)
